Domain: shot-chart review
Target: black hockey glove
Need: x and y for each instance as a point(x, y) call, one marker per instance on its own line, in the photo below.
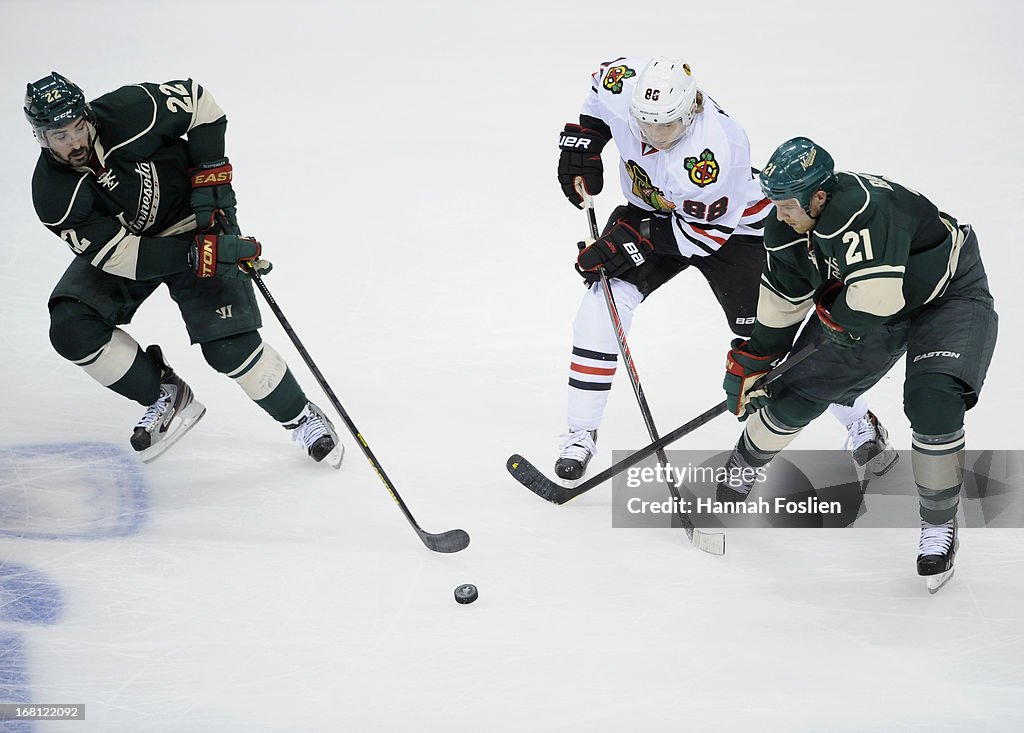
point(581, 157)
point(621, 249)
point(226, 255)
point(213, 199)
point(824, 297)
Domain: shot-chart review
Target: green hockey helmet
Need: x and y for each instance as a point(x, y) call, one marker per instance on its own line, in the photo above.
point(797, 169)
point(52, 102)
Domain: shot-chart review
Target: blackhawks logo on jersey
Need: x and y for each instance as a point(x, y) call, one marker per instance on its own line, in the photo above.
point(646, 191)
point(615, 76)
point(703, 170)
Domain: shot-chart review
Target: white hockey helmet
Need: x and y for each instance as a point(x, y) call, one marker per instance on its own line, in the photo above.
point(664, 102)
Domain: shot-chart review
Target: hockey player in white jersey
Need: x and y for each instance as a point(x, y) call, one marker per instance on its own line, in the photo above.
point(692, 200)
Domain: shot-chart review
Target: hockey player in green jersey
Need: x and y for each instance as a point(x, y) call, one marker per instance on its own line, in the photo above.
point(137, 184)
point(887, 274)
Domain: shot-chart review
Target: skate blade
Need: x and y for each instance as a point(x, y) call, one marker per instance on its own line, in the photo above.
point(333, 459)
point(884, 461)
point(934, 582)
point(186, 420)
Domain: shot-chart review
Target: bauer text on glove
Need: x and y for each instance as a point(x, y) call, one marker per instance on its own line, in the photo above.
point(581, 158)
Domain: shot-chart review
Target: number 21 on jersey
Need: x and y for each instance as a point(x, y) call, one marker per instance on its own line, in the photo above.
point(855, 252)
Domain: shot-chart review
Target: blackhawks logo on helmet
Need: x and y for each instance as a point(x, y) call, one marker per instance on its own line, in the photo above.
point(646, 191)
point(614, 77)
point(703, 170)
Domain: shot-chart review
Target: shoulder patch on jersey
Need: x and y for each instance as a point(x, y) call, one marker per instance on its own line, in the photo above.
point(645, 190)
point(703, 170)
point(614, 77)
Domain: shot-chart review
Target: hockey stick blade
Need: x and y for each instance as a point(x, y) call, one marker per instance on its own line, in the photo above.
point(454, 540)
point(527, 474)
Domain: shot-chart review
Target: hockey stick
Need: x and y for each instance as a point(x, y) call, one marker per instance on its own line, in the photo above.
point(527, 474)
point(711, 542)
point(451, 541)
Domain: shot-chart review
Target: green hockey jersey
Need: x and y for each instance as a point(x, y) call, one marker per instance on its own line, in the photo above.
point(891, 247)
point(128, 210)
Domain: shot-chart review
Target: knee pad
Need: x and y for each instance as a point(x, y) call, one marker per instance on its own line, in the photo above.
point(82, 336)
point(76, 330)
point(794, 410)
point(254, 365)
point(935, 403)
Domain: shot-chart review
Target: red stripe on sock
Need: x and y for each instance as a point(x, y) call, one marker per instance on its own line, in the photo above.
point(596, 371)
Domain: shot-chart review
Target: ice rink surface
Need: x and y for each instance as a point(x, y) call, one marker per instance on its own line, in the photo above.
point(397, 160)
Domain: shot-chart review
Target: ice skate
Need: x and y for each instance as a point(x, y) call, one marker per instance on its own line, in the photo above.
point(740, 481)
point(167, 420)
point(316, 435)
point(577, 448)
point(936, 550)
point(868, 443)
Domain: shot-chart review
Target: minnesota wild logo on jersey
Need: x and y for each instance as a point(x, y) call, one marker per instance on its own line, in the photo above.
point(703, 169)
point(615, 76)
point(645, 190)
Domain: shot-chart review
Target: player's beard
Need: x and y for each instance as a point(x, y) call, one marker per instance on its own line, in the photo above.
point(79, 157)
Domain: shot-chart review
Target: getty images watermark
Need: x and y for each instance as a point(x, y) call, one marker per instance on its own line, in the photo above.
point(807, 489)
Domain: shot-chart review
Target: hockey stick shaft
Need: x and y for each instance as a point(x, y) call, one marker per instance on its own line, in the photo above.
point(717, 546)
point(529, 476)
point(450, 541)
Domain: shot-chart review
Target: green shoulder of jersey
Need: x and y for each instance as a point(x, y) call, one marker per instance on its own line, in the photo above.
point(60, 194)
point(890, 246)
point(141, 117)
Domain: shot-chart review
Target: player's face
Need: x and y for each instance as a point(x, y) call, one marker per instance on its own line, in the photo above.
point(70, 143)
point(792, 213)
point(663, 136)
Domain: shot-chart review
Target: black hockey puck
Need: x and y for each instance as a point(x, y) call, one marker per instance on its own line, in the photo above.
point(466, 593)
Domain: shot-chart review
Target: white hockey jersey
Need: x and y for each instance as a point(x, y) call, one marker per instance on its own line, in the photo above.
point(705, 182)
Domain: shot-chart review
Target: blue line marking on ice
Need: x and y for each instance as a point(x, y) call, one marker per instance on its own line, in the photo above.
point(14, 683)
point(71, 491)
point(27, 596)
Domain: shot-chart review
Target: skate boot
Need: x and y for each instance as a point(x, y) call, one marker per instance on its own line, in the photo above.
point(868, 443)
point(935, 553)
point(167, 420)
point(578, 447)
point(315, 434)
point(740, 481)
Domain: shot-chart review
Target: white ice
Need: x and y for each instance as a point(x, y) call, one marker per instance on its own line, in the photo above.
point(397, 160)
